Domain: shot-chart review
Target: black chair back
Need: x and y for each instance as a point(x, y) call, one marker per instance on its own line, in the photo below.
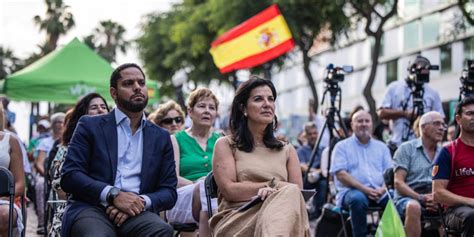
point(211, 191)
point(7, 188)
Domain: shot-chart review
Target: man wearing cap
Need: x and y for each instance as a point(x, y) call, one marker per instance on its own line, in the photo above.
point(397, 104)
point(120, 167)
point(412, 166)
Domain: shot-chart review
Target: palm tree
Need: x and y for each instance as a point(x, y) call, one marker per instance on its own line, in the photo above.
point(9, 63)
point(58, 21)
point(107, 38)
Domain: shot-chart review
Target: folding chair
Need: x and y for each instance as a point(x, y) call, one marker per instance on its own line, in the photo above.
point(181, 227)
point(373, 212)
point(7, 188)
point(211, 191)
point(23, 213)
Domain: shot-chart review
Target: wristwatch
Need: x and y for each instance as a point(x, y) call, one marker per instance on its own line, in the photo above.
point(112, 194)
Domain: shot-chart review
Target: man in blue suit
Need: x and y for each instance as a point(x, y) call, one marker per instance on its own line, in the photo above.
point(119, 169)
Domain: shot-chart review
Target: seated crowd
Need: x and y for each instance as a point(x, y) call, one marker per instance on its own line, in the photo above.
point(120, 172)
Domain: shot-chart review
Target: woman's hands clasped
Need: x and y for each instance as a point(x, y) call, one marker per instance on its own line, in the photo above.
point(265, 192)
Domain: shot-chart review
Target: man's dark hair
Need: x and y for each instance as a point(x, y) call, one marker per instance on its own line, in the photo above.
point(464, 102)
point(238, 122)
point(78, 111)
point(116, 73)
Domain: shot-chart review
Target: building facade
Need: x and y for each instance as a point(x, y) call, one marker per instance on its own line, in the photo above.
point(426, 27)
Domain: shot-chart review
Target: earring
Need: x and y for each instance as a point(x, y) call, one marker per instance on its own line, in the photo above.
point(245, 114)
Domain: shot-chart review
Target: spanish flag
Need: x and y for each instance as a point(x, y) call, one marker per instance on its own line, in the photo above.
point(261, 38)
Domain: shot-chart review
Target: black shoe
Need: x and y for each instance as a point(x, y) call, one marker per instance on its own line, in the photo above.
point(40, 231)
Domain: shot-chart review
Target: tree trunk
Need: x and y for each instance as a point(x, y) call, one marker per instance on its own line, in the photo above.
point(309, 76)
point(267, 70)
point(234, 80)
point(52, 43)
point(373, 72)
point(180, 96)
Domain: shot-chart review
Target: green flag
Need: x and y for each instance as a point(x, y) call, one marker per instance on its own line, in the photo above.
point(390, 225)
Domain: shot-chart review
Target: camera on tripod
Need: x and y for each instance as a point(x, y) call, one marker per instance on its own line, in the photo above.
point(419, 71)
point(336, 74)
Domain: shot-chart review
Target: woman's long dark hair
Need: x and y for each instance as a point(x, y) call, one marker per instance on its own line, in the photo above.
point(238, 122)
point(79, 110)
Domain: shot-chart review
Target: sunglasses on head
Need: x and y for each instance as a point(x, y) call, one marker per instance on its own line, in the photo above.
point(170, 120)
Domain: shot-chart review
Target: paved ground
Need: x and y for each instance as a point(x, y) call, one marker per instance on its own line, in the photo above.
point(31, 222)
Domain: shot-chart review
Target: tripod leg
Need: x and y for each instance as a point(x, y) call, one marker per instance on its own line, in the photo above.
point(315, 149)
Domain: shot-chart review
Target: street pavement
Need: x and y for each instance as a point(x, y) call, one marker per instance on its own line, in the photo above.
point(31, 222)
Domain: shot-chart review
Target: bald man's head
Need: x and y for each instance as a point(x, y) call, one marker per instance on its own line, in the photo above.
point(362, 124)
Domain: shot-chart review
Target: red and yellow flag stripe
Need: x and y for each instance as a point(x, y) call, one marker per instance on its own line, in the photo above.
point(259, 39)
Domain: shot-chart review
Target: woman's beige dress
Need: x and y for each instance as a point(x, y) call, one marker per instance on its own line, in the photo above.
point(282, 214)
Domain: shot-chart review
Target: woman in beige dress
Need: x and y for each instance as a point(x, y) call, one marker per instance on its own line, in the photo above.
point(252, 162)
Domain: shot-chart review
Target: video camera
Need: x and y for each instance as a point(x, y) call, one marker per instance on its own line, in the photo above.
point(467, 77)
point(419, 71)
point(336, 74)
point(467, 80)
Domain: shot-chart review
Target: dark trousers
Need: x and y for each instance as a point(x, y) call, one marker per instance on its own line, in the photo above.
point(461, 218)
point(93, 221)
point(358, 204)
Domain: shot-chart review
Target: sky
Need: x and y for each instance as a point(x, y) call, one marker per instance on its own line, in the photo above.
point(19, 33)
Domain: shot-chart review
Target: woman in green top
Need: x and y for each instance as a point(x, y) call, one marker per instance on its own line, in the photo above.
point(193, 150)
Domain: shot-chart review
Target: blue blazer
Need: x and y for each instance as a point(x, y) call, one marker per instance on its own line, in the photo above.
point(91, 165)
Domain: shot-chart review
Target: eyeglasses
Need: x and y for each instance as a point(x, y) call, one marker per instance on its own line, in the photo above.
point(439, 124)
point(169, 121)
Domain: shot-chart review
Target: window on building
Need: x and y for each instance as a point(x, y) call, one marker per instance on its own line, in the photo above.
point(411, 37)
point(392, 74)
point(430, 25)
point(445, 54)
point(411, 8)
point(468, 49)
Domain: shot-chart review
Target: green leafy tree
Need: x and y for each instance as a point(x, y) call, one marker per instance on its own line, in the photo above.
point(374, 15)
point(9, 63)
point(306, 19)
point(57, 21)
point(157, 50)
point(467, 9)
point(179, 40)
point(107, 39)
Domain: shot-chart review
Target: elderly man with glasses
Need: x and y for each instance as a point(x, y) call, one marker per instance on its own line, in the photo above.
point(413, 165)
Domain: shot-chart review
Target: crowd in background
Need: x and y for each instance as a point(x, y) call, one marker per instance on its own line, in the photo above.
point(352, 176)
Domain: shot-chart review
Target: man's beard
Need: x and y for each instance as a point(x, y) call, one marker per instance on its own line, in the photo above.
point(131, 106)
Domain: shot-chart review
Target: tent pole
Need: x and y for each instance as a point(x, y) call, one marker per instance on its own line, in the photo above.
point(32, 120)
